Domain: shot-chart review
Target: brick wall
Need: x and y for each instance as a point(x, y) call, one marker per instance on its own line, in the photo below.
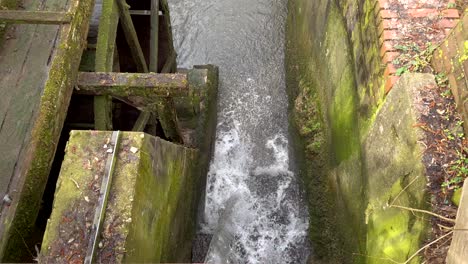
point(377, 28)
point(451, 59)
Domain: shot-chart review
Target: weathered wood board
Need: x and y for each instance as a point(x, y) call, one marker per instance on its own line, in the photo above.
point(458, 252)
point(39, 68)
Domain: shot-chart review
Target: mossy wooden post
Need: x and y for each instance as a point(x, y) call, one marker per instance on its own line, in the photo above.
point(166, 107)
point(105, 49)
point(32, 169)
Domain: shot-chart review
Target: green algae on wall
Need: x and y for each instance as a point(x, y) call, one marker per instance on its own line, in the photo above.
point(150, 216)
point(396, 174)
point(322, 89)
point(326, 81)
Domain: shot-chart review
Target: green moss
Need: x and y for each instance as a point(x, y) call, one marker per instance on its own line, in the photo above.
point(456, 197)
point(46, 132)
point(394, 233)
point(464, 55)
point(71, 185)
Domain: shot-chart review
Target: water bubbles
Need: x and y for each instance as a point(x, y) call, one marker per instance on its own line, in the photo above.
point(252, 205)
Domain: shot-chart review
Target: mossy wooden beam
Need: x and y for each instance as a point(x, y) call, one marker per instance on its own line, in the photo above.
point(31, 174)
point(34, 17)
point(122, 84)
point(131, 36)
point(142, 121)
point(170, 63)
point(105, 50)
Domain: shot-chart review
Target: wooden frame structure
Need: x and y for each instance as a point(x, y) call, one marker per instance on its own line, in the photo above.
point(22, 196)
point(162, 108)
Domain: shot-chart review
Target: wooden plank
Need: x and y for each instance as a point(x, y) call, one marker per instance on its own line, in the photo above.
point(119, 84)
point(105, 50)
point(458, 252)
point(33, 165)
point(140, 12)
point(34, 17)
point(170, 63)
point(131, 36)
point(142, 121)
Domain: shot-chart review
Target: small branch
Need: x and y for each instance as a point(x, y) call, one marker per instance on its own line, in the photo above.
point(426, 246)
point(404, 189)
point(424, 211)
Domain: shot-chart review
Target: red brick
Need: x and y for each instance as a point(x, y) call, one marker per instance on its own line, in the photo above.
point(386, 47)
point(388, 14)
point(390, 82)
point(450, 13)
point(390, 56)
point(390, 69)
point(388, 24)
point(423, 12)
point(390, 35)
point(447, 23)
point(384, 4)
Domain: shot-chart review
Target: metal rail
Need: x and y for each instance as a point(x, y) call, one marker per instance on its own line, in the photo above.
point(102, 202)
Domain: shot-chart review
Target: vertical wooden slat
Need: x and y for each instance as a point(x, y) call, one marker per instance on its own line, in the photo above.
point(166, 109)
point(145, 115)
point(131, 36)
point(105, 50)
point(154, 40)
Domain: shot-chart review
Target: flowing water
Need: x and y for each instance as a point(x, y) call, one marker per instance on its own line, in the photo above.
point(254, 207)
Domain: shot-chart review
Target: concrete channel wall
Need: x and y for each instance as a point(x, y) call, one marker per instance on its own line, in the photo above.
point(358, 151)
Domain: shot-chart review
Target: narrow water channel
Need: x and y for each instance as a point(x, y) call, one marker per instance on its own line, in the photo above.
point(254, 207)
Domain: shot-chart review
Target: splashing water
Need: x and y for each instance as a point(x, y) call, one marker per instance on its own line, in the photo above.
point(254, 206)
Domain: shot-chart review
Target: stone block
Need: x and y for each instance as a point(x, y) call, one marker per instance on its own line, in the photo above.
point(396, 174)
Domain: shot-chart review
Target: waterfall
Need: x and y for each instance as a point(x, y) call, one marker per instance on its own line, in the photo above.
point(254, 206)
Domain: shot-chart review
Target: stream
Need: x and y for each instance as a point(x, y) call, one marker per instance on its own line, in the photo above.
point(254, 208)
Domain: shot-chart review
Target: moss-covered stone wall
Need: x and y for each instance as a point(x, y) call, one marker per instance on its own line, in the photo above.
point(451, 60)
point(324, 103)
point(335, 85)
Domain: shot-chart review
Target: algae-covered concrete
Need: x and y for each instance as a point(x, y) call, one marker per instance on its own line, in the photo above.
point(152, 202)
point(395, 172)
point(350, 170)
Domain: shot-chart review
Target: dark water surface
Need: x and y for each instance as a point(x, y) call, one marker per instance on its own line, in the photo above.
point(253, 207)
